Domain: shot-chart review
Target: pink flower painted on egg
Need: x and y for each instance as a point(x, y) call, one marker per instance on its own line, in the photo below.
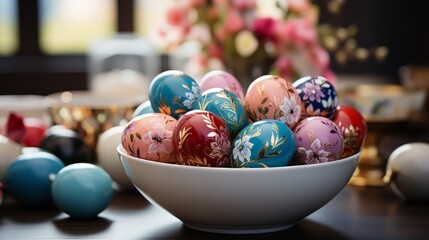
point(312, 92)
point(291, 111)
point(220, 148)
point(316, 154)
point(159, 139)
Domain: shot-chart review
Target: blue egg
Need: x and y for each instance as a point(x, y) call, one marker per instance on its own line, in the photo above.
point(173, 92)
point(318, 96)
point(263, 144)
point(82, 190)
point(27, 178)
point(227, 106)
point(143, 108)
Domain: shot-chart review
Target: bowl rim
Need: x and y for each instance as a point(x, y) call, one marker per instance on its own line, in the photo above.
point(121, 151)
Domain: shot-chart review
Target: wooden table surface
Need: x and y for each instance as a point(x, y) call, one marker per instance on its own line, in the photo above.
point(355, 213)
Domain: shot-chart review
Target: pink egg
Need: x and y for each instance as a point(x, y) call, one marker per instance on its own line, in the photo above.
point(149, 136)
point(272, 97)
point(221, 79)
point(318, 140)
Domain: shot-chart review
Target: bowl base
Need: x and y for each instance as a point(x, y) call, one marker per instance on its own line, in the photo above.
point(238, 230)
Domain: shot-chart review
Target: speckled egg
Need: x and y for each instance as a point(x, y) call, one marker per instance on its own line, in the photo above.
point(263, 144)
point(202, 139)
point(173, 93)
point(318, 96)
point(353, 128)
point(318, 140)
point(143, 108)
point(149, 136)
point(221, 79)
point(227, 106)
point(272, 97)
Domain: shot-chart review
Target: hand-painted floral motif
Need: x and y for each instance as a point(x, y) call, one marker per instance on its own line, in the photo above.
point(272, 97)
point(227, 106)
point(149, 136)
point(266, 143)
point(192, 96)
point(318, 96)
point(316, 154)
point(201, 139)
point(291, 111)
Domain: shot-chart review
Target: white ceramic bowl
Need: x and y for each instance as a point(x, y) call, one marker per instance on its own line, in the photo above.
point(241, 201)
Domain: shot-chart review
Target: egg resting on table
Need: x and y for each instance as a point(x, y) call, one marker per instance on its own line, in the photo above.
point(318, 96)
point(149, 136)
point(318, 140)
point(226, 105)
point(263, 144)
point(201, 138)
point(173, 93)
point(272, 97)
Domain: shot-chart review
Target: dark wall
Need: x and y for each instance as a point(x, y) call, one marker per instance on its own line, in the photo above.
point(402, 26)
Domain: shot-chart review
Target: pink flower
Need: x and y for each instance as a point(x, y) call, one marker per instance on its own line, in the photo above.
point(316, 154)
point(284, 67)
point(177, 15)
point(312, 92)
point(318, 56)
point(159, 140)
point(264, 28)
point(234, 23)
point(296, 31)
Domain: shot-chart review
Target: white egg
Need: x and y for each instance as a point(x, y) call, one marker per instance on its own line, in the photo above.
point(108, 158)
point(407, 171)
point(9, 151)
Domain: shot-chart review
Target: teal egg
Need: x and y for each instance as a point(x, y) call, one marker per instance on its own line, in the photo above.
point(82, 190)
point(226, 105)
point(263, 144)
point(173, 93)
point(27, 178)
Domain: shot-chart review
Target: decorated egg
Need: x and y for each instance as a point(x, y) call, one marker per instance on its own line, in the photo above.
point(149, 136)
point(27, 178)
point(143, 108)
point(318, 96)
point(82, 190)
point(227, 106)
point(173, 93)
point(202, 139)
point(9, 151)
point(108, 158)
point(66, 144)
point(407, 171)
point(263, 144)
point(221, 79)
point(318, 140)
point(272, 97)
point(353, 128)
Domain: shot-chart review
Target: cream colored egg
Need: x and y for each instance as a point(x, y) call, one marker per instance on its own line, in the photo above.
point(9, 151)
point(407, 171)
point(108, 158)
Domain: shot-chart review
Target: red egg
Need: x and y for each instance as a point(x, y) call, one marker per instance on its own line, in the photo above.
point(201, 138)
point(353, 127)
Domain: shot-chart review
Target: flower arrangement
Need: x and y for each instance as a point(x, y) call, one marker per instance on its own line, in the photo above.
point(237, 36)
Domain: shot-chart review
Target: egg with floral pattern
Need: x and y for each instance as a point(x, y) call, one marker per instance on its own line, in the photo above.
point(353, 127)
point(226, 105)
point(173, 93)
point(263, 144)
point(201, 138)
point(221, 79)
point(149, 136)
point(272, 97)
point(318, 96)
point(318, 139)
